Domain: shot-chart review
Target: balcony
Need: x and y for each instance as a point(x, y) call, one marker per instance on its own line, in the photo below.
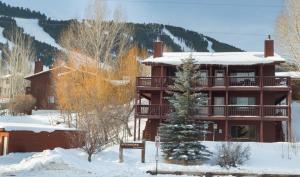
point(161, 83)
point(220, 111)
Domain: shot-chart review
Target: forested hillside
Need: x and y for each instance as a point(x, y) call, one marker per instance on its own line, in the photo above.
point(176, 38)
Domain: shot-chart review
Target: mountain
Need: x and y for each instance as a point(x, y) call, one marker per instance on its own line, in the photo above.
point(45, 33)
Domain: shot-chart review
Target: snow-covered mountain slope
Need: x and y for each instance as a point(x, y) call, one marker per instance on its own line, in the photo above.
point(32, 28)
point(209, 47)
point(61, 10)
point(178, 41)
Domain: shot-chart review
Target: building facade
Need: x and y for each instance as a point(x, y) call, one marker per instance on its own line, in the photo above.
point(245, 100)
point(42, 85)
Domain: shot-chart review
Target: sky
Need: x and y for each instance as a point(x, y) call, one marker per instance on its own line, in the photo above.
point(242, 23)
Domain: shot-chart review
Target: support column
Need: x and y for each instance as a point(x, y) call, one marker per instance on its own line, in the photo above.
point(226, 130)
point(134, 130)
point(210, 81)
point(210, 103)
point(139, 129)
point(261, 101)
point(261, 132)
point(289, 122)
point(226, 115)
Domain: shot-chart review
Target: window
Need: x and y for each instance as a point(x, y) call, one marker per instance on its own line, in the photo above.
point(51, 99)
point(243, 101)
point(243, 132)
point(203, 80)
point(243, 74)
point(243, 78)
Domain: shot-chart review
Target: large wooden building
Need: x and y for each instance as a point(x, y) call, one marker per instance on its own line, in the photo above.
point(245, 100)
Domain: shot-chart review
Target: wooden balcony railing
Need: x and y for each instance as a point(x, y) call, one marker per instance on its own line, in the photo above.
point(219, 110)
point(249, 110)
point(278, 111)
point(276, 81)
point(230, 81)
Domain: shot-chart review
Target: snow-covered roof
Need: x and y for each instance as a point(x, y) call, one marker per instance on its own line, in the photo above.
point(219, 58)
point(45, 71)
point(292, 74)
point(13, 126)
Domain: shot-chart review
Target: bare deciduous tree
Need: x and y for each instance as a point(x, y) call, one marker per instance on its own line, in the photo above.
point(100, 85)
point(288, 30)
point(18, 62)
point(97, 38)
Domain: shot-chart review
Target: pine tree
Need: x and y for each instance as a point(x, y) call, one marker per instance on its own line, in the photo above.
point(180, 135)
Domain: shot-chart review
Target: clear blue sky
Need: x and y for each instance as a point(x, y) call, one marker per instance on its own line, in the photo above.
point(243, 23)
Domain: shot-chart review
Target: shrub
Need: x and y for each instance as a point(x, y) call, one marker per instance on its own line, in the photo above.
point(232, 154)
point(22, 104)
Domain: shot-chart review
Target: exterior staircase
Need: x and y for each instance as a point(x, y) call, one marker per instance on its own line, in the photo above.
point(150, 130)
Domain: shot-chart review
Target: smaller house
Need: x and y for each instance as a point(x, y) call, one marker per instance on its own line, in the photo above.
point(18, 137)
point(41, 86)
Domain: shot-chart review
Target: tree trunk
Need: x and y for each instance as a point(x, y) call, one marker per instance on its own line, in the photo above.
point(90, 157)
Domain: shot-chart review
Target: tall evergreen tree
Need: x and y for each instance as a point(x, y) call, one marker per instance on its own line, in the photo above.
point(180, 134)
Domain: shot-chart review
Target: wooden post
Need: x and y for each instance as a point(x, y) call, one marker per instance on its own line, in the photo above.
point(139, 129)
point(261, 100)
point(210, 103)
point(289, 116)
point(143, 152)
point(261, 133)
point(134, 129)
point(161, 104)
point(226, 130)
point(121, 152)
point(210, 76)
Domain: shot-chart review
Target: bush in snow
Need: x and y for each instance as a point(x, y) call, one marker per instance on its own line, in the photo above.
point(22, 104)
point(232, 154)
point(180, 135)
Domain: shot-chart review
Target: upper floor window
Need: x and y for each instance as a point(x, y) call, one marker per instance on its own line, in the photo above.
point(243, 100)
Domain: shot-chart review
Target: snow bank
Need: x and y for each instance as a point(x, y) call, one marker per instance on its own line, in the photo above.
point(32, 28)
point(220, 58)
point(42, 120)
point(265, 158)
point(31, 127)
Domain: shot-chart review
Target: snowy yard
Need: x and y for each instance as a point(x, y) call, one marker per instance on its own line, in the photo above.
point(265, 158)
point(276, 158)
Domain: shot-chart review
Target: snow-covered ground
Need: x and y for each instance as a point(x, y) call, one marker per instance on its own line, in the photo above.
point(32, 28)
point(275, 158)
point(265, 158)
point(42, 120)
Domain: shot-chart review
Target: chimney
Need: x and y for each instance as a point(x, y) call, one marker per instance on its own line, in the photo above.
point(158, 48)
point(269, 47)
point(38, 66)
